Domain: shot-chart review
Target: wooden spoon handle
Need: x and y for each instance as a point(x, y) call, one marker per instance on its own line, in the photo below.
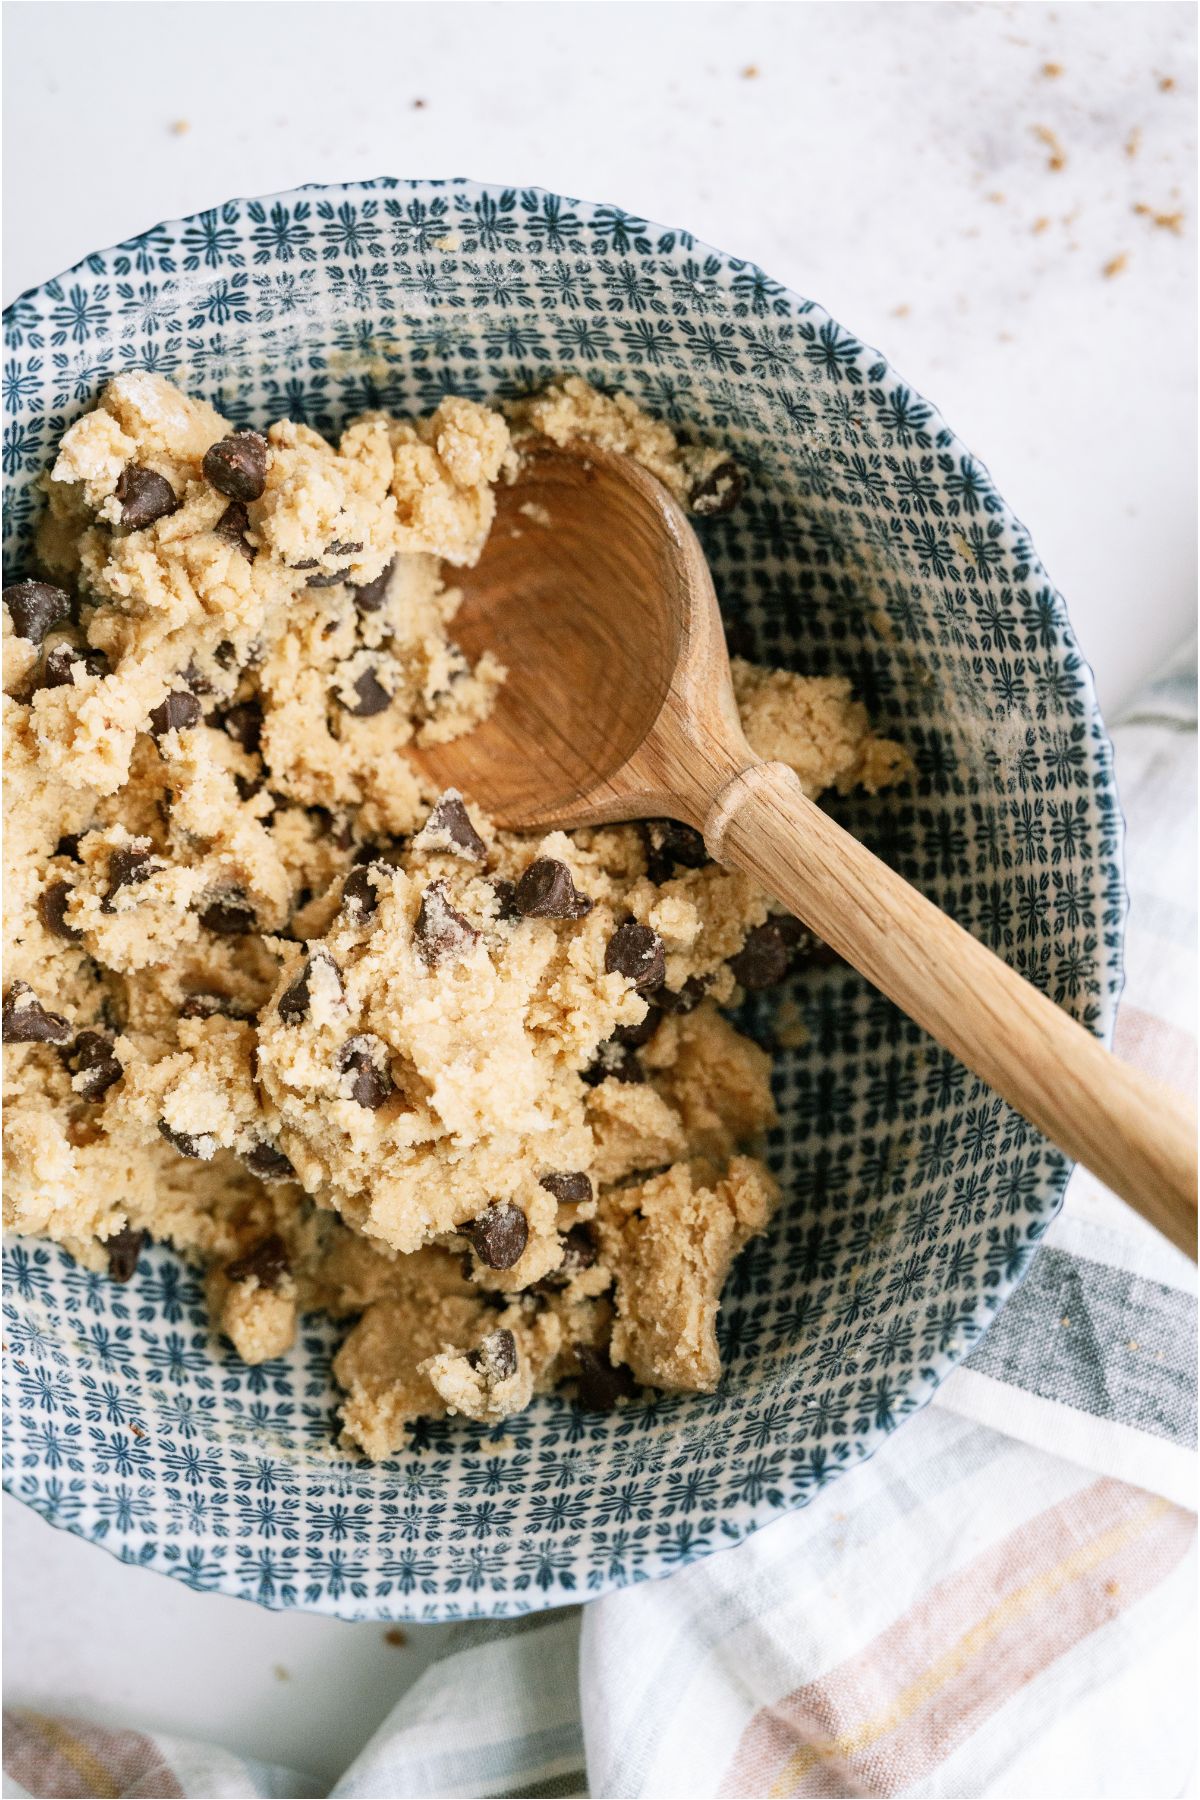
point(1136, 1135)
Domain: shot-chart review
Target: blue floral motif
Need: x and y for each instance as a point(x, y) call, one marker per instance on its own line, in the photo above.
point(281, 234)
point(22, 324)
point(870, 543)
point(488, 222)
point(618, 233)
point(213, 239)
point(79, 312)
point(551, 223)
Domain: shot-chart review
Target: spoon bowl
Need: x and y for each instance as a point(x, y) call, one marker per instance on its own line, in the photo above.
point(594, 593)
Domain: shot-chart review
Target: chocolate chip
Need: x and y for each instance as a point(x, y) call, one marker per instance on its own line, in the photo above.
point(359, 894)
point(225, 654)
point(68, 845)
point(634, 1036)
point(237, 465)
point(764, 958)
point(800, 940)
point(200, 1145)
point(601, 1382)
point(568, 1188)
point(127, 866)
point(266, 1262)
point(371, 1085)
point(194, 678)
point(295, 1001)
point(58, 668)
point(373, 697)
point(667, 843)
point(244, 723)
point(613, 1061)
point(340, 547)
point(26, 1021)
point(499, 1235)
point(203, 1006)
point(230, 916)
point(372, 594)
point(450, 819)
point(52, 910)
point(682, 1000)
point(93, 1058)
point(719, 492)
point(112, 1015)
point(209, 1006)
point(269, 1163)
point(506, 896)
point(579, 1251)
point(308, 562)
point(35, 608)
point(340, 830)
point(144, 496)
point(124, 1248)
point(329, 579)
point(233, 524)
point(177, 712)
point(246, 790)
point(495, 1357)
point(547, 891)
point(637, 953)
point(440, 932)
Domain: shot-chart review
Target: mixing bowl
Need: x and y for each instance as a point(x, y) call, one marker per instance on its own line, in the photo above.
point(869, 543)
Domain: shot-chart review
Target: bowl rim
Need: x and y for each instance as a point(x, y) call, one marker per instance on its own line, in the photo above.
point(1107, 985)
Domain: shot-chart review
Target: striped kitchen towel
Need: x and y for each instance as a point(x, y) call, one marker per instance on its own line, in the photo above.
point(1000, 1602)
point(44, 1755)
point(1094, 1356)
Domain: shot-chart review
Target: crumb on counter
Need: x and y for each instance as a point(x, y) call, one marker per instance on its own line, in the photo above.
point(1164, 221)
point(1057, 158)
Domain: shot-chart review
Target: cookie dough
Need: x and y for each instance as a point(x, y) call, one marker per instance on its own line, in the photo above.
point(271, 1000)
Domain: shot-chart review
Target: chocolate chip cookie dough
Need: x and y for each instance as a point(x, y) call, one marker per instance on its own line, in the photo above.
point(331, 1034)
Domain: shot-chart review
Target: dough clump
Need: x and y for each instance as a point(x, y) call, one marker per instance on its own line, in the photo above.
point(330, 1034)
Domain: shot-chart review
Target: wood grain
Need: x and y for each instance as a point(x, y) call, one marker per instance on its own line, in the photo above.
point(1136, 1135)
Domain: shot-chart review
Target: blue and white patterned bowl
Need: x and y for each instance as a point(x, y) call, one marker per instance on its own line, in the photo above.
point(870, 543)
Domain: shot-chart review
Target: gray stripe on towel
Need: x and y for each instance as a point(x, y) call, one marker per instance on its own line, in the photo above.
point(1100, 1340)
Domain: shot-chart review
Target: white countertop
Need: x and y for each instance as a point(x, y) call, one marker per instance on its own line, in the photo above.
point(891, 161)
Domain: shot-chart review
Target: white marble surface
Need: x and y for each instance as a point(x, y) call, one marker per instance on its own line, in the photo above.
point(890, 161)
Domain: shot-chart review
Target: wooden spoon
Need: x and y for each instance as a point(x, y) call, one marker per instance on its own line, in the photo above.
point(595, 594)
